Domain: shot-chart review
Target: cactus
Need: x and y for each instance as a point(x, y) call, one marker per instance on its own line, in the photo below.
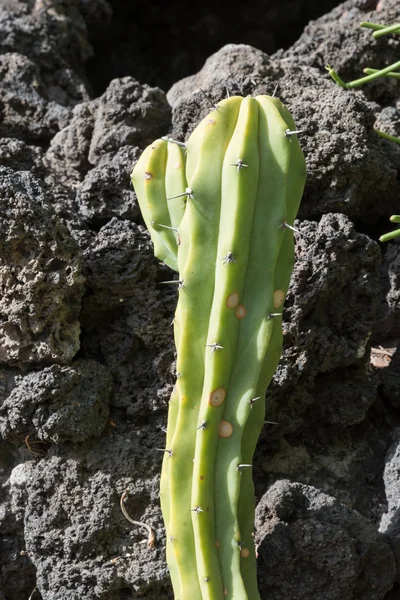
point(245, 175)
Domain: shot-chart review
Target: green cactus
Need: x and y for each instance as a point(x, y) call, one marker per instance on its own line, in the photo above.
point(245, 175)
point(162, 175)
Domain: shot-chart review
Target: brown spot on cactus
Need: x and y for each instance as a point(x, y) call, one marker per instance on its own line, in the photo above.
point(217, 543)
point(217, 397)
point(232, 300)
point(201, 477)
point(225, 429)
point(148, 175)
point(279, 296)
point(225, 592)
point(245, 552)
point(240, 312)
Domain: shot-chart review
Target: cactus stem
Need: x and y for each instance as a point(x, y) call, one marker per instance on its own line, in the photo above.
point(239, 164)
point(203, 425)
point(188, 192)
point(215, 346)
point(229, 258)
point(239, 467)
point(197, 509)
point(172, 141)
point(209, 99)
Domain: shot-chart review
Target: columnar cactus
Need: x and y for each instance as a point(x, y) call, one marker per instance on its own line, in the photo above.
point(241, 186)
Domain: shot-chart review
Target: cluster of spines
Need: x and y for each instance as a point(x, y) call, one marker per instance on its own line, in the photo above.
point(244, 179)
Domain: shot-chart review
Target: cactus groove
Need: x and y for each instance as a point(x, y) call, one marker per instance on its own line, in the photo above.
point(237, 192)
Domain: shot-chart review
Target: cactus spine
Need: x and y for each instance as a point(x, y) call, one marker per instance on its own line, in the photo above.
point(245, 175)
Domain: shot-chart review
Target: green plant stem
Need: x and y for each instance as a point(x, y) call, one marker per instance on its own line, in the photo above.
point(372, 71)
point(381, 28)
point(378, 33)
point(387, 136)
point(390, 236)
point(374, 26)
point(359, 82)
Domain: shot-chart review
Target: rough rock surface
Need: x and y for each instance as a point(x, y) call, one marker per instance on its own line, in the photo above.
point(86, 346)
point(311, 546)
point(388, 325)
point(59, 403)
point(390, 522)
point(41, 276)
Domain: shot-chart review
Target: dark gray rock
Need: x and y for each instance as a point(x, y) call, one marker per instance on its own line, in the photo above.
point(42, 283)
point(67, 156)
point(128, 114)
point(336, 269)
point(312, 547)
point(388, 322)
point(127, 316)
point(54, 34)
point(20, 156)
point(390, 522)
point(17, 573)
point(59, 403)
point(107, 192)
point(328, 430)
point(232, 66)
point(105, 134)
point(23, 92)
point(79, 541)
point(390, 378)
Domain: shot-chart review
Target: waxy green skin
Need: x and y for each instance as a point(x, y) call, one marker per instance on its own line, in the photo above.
point(234, 256)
